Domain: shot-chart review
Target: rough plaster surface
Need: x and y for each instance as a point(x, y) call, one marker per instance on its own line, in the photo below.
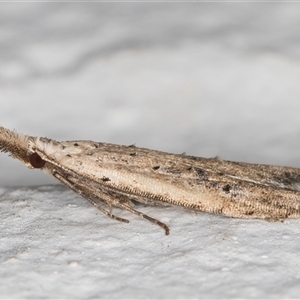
point(54, 244)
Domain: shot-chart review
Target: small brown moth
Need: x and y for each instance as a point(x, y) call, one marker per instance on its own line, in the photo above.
point(111, 176)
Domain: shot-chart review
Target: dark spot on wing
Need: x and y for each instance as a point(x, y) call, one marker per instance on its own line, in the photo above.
point(104, 178)
point(249, 213)
point(173, 171)
point(202, 174)
point(226, 188)
point(288, 179)
point(156, 168)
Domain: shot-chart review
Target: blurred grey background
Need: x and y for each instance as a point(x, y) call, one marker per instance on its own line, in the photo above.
point(202, 78)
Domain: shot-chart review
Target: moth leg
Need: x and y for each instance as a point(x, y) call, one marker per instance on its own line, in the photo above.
point(108, 199)
point(124, 202)
point(108, 213)
point(83, 194)
point(144, 216)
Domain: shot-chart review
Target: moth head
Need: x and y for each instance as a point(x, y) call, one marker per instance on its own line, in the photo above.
point(34, 154)
point(18, 146)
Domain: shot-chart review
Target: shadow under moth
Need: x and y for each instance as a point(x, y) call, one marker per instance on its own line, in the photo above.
point(110, 176)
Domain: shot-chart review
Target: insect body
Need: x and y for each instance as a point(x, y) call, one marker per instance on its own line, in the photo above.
point(110, 176)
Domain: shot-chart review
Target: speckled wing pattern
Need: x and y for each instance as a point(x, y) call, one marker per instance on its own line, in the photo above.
point(112, 176)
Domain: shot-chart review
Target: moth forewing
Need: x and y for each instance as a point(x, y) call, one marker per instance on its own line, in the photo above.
point(114, 167)
point(148, 176)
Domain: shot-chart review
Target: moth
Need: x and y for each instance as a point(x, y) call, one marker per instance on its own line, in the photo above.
point(113, 176)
